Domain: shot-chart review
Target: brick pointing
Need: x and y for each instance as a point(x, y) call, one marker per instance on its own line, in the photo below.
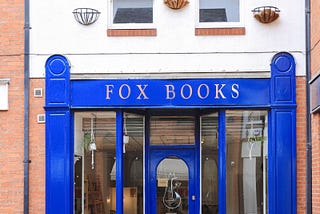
point(301, 144)
point(219, 31)
point(315, 118)
point(11, 121)
point(132, 32)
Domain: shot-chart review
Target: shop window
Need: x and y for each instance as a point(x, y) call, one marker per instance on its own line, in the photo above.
point(209, 164)
point(247, 162)
point(95, 163)
point(170, 130)
point(133, 164)
point(132, 12)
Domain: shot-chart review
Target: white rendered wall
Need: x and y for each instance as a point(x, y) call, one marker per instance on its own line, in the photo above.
point(174, 50)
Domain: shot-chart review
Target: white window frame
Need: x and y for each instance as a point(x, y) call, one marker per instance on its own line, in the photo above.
point(111, 25)
point(220, 24)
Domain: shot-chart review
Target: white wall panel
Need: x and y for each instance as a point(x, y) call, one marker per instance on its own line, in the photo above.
point(174, 49)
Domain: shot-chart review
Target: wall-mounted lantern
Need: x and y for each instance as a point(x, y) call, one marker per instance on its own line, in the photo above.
point(176, 4)
point(86, 16)
point(266, 14)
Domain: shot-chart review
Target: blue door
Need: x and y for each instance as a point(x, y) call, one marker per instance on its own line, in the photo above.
point(172, 186)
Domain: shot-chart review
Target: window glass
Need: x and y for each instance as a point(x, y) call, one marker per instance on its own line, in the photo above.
point(172, 186)
point(165, 130)
point(132, 11)
point(246, 161)
point(133, 164)
point(94, 163)
point(219, 11)
point(209, 164)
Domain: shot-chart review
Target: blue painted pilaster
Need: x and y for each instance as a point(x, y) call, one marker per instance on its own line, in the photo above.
point(222, 161)
point(282, 132)
point(59, 188)
point(119, 162)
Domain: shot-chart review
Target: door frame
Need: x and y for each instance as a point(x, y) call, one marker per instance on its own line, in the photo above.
point(172, 150)
point(156, 155)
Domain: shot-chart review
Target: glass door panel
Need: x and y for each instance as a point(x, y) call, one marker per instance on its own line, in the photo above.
point(172, 179)
point(172, 186)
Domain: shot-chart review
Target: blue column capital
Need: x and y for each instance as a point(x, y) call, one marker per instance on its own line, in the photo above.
point(283, 80)
point(57, 81)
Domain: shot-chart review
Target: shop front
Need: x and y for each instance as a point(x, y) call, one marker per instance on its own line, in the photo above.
point(165, 146)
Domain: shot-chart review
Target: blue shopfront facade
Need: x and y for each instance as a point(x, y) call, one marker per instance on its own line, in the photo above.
point(66, 96)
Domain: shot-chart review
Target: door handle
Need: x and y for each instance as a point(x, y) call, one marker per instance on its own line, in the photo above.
point(193, 198)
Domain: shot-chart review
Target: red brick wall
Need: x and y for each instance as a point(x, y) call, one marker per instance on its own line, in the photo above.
point(315, 118)
point(11, 121)
point(37, 150)
point(315, 37)
point(301, 144)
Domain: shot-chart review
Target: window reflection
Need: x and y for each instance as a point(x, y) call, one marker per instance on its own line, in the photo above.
point(246, 164)
point(219, 11)
point(134, 11)
point(94, 151)
point(209, 163)
point(172, 186)
point(95, 163)
point(133, 164)
point(166, 130)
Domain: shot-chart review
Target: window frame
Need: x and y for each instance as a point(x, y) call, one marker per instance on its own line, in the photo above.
point(112, 25)
point(219, 24)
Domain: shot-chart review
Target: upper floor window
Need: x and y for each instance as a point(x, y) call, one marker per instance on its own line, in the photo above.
point(132, 11)
point(219, 12)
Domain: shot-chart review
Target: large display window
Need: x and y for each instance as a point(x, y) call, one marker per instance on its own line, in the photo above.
point(245, 166)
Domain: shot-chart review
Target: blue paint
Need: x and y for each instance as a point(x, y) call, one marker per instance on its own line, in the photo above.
point(119, 162)
point(147, 175)
point(222, 175)
point(271, 163)
point(282, 156)
point(277, 94)
point(188, 156)
point(197, 165)
point(283, 81)
point(57, 82)
point(159, 93)
point(59, 160)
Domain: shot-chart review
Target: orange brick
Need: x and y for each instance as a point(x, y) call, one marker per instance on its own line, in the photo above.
point(132, 32)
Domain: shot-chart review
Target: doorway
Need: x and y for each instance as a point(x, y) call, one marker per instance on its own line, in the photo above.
point(172, 157)
point(172, 181)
